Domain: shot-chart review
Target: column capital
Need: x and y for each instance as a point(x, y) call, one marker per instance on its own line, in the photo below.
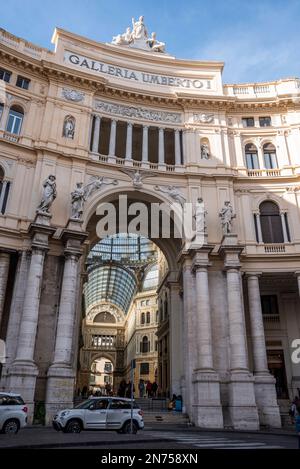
point(201, 258)
point(146, 126)
point(129, 124)
point(252, 274)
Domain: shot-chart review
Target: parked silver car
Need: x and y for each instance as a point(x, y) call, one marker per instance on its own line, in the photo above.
point(13, 412)
point(100, 413)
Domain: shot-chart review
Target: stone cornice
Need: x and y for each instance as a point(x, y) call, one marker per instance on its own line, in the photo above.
point(47, 69)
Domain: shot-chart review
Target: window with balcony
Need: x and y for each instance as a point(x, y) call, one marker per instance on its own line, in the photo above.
point(251, 156)
point(271, 224)
point(270, 158)
point(5, 75)
point(22, 82)
point(15, 119)
point(265, 121)
point(248, 121)
point(145, 345)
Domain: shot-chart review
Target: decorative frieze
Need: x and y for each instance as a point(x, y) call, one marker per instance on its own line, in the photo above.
point(203, 118)
point(138, 112)
point(72, 95)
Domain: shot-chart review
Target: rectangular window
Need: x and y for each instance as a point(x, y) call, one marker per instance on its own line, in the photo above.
point(5, 75)
point(269, 304)
point(248, 121)
point(144, 370)
point(265, 121)
point(252, 161)
point(270, 160)
point(22, 82)
point(14, 122)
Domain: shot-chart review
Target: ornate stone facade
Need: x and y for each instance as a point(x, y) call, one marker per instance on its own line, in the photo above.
point(229, 309)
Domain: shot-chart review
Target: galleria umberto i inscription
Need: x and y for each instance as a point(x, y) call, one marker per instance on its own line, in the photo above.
point(86, 63)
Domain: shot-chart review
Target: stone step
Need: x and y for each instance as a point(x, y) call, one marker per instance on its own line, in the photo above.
point(166, 417)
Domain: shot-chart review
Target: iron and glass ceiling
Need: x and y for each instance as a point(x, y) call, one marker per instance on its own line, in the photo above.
point(111, 267)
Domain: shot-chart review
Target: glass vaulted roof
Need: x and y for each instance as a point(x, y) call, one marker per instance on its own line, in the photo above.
point(111, 267)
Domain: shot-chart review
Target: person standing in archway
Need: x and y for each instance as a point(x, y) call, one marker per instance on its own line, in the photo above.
point(149, 389)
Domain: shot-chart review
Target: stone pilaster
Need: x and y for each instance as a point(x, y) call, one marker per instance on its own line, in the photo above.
point(264, 384)
point(175, 336)
point(177, 148)
point(128, 154)
point(23, 372)
point(207, 409)
point(242, 405)
point(4, 268)
point(96, 136)
point(145, 144)
point(61, 373)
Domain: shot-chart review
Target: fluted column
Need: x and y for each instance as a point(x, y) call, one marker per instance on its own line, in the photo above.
point(66, 317)
point(207, 405)
point(145, 144)
point(96, 136)
point(4, 268)
point(264, 384)
point(112, 138)
point(258, 225)
point(161, 146)
point(257, 325)
point(284, 230)
point(204, 339)
point(61, 373)
point(128, 155)
point(242, 407)
point(177, 148)
point(237, 333)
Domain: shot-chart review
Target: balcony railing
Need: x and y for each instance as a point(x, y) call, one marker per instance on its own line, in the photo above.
point(264, 172)
point(9, 137)
point(274, 248)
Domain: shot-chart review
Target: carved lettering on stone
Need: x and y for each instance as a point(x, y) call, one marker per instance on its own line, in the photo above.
point(139, 112)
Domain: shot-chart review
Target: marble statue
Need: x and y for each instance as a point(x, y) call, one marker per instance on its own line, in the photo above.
point(77, 201)
point(69, 127)
point(200, 217)
point(137, 176)
point(123, 39)
point(173, 192)
point(156, 46)
point(205, 151)
point(139, 30)
point(49, 194)
point(227, 216)
point(138, 38)
point(82, 193)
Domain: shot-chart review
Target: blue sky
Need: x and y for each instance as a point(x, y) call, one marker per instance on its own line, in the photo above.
point(258, 40)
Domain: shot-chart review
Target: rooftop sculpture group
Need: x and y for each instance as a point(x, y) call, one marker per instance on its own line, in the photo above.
point(138, 38)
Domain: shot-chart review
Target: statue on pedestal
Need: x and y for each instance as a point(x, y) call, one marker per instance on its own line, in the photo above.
point(227, 216)
point(49, 194)
point(205, 151)
point(77, 201)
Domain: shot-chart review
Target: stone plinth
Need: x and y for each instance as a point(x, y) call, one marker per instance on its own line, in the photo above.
point(206, 408)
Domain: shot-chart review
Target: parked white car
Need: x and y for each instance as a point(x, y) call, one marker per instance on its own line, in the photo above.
point(100, 413)
point(13, 412)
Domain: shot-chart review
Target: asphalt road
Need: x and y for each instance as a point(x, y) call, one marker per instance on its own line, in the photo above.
point(157, 437)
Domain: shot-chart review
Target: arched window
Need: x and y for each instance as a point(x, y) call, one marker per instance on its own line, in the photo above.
point(4, 190)
point(145, 345)
point(270, 158)
point(271, 225)
point(251, 156)
point(148, 317)
point(15, 119)
point(143, 318)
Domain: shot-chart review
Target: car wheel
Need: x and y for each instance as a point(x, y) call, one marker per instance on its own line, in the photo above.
point(127, 427)
point(11, 427)
point(74, 426)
